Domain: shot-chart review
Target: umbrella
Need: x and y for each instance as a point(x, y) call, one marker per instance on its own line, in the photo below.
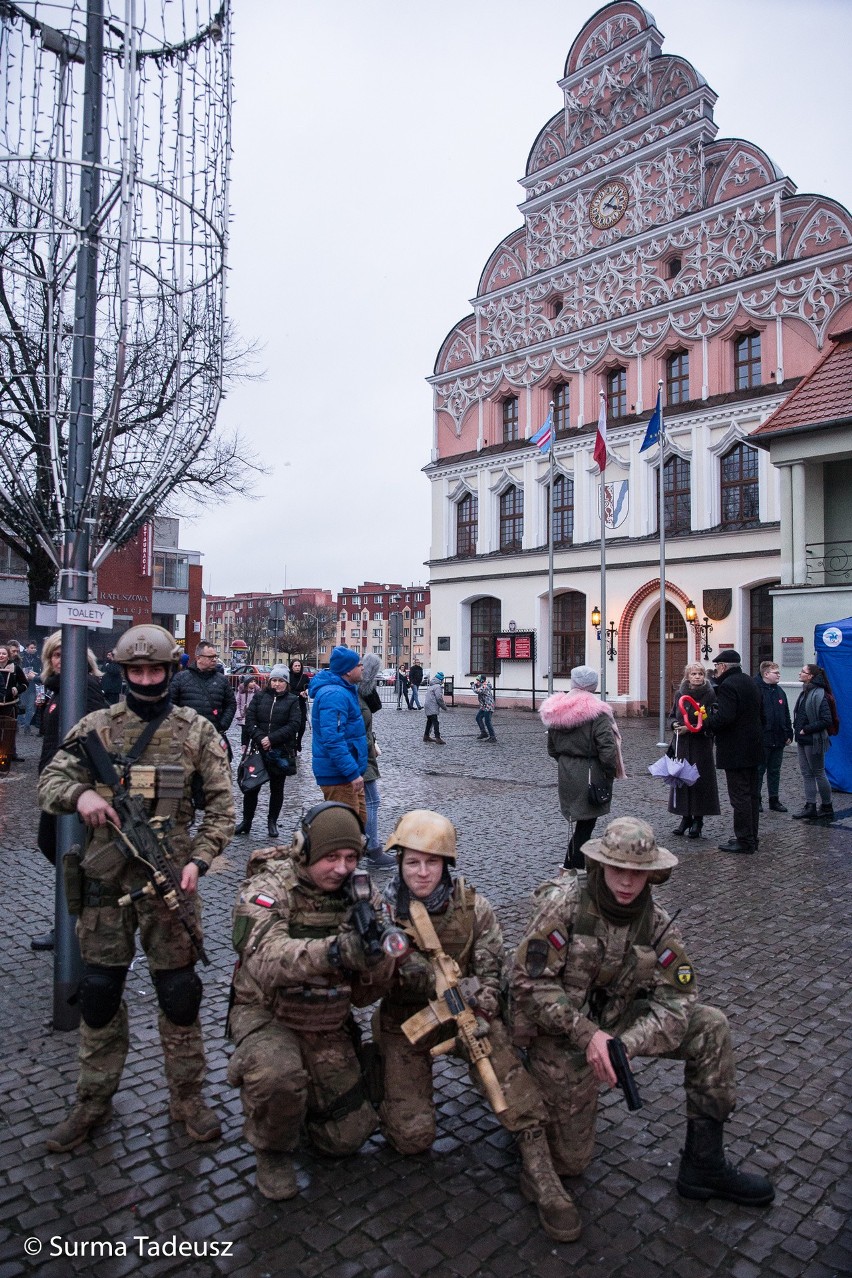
point(674, 771)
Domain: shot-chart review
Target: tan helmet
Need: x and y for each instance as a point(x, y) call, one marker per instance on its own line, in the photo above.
point(424, 831)
point(147, 646)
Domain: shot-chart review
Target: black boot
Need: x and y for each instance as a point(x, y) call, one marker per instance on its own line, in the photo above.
point(826, 812)
point(272, 829)
point(775, 804)
point(683, 827)
point(807, 813)
point(43, 942)
point(694, 831)
point(379, 859)
point(244, 827)
point(704, 1172)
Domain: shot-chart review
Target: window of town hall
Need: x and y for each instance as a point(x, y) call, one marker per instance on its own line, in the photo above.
point(467, 517)
point(677, 378)
point(512, 518)
point(484, 625)
point(676, 495)
point(616, 393)
point(563, 511)
point(747, 361)
point(511, 429)
point(561, 398)
point(740, 505)
point(569, 631)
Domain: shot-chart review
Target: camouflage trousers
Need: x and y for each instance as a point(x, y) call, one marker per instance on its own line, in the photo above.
point(286, 1079)
point(570, 1089)
point(407, 1112)
point(103, 1052)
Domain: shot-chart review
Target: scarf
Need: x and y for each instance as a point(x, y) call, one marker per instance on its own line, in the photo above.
point(610, 909)
point(398, 896)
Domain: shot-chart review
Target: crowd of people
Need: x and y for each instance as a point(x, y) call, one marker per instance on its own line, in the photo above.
point(600, 967)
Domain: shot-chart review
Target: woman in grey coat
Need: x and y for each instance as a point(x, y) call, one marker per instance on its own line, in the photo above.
point(583, 736)
point(811, 721)
point(370, 701)
point(692, 803)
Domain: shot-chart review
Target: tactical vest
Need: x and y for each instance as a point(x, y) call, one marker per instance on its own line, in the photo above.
point(156, 778)
point(454, 928)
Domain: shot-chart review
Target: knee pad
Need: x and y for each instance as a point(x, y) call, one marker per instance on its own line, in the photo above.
point(99, 994)
point(179, 994)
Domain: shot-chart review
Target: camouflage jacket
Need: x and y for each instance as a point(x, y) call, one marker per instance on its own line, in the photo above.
point(574, 973)
point(183, 739)
point(469, 933)
point(283, 926)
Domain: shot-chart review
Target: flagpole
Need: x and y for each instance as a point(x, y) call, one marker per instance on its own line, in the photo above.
point(662, 518)
point(550, 560)
point(603, 566)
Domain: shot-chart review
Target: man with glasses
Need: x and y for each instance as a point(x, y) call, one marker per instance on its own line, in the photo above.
point(202, 688)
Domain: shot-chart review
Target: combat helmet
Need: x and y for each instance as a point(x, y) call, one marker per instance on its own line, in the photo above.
point(147, 645)
point(424, 831)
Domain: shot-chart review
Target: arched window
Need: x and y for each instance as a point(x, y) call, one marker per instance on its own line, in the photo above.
point(467, 519)
point(561, 397)
point(569, 632)
point(484, 625)
point(563, 511)
point(677, 378)
point(747, 361)
point(512, 518)
point(510, 418)
point(761, 643)
point(739, 487)
point(616, 392)
point(677, 496)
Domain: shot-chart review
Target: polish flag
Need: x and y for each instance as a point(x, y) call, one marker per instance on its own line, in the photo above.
point(599, 453)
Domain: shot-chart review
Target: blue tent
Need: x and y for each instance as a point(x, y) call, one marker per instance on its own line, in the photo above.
point(833, 647)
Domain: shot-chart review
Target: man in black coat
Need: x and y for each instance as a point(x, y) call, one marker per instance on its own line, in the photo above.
point(203, 688)
point(736, 720)
point(777, 731)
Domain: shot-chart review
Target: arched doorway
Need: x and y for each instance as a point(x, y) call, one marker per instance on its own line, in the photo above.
point(677, 655)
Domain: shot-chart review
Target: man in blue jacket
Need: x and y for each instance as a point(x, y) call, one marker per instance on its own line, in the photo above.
point(339, 744)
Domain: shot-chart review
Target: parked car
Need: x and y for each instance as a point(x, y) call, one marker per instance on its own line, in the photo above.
point(387, 677)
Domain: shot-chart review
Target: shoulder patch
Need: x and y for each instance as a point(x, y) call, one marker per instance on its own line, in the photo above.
point(666, 958)
point(685, 975)
point(557, 940)
point(535, 959)
point(264, 899)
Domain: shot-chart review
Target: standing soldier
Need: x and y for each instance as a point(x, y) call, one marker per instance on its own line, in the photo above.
point(302, 968)
point(468, 931)
point(173, 743)
point(602, 962)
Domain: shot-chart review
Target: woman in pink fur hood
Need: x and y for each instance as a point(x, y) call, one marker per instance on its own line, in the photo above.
point(581, 734)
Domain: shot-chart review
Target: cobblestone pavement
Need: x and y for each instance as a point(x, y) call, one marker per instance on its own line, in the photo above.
point(769, 934)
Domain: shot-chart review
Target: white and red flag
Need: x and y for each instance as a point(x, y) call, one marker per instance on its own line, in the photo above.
point(600, 438)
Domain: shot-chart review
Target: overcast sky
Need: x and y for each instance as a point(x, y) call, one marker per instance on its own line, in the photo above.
point(378, 145)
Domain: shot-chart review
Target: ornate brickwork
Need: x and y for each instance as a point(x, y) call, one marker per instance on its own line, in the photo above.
point(626, 622)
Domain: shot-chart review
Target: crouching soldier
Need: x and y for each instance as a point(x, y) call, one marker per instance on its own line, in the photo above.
point(468, 932)
point(602, 961)
point(302, 967)
point(159, 749)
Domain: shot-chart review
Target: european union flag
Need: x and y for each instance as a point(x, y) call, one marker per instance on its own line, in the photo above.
point(655, 425)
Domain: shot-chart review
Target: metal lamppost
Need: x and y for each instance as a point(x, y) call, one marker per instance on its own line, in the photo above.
point(276, 613)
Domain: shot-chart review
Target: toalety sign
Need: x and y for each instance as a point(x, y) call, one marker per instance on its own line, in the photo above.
point(96, 616)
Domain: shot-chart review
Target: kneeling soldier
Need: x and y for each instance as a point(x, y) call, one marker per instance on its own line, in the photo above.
point(469, 933)
point(302, 967)
point(159, 749)
point(602, 961)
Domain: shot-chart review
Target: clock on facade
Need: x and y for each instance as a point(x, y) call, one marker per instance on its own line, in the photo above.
point(608, 205)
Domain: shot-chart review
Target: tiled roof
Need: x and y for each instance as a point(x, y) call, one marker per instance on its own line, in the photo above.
point(822, 398)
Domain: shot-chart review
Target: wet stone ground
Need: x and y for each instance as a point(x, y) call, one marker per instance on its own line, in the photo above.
point(769, 935)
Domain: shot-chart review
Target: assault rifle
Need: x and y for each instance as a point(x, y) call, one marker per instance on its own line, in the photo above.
point(450, 1007)
point(144, 840)
point(624, 1074)
point(375, 939)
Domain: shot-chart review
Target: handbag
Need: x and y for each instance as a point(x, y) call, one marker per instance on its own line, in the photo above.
point(252, 774)
point(281, 761)
point(600, 794)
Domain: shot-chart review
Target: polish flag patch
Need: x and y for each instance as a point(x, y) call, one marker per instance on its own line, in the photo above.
point(268, 901)
point(557, 940)
point(667, 958)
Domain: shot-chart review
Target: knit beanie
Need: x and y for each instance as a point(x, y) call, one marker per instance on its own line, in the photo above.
point(280, 672)
point(584, 677)
point(332, 829)
point(343, 660)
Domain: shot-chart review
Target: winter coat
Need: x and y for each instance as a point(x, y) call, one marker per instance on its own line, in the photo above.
point(111, 682)
point(209, 693)
point(339, 747)
point(777, 727)
point(298, 682)
point(244, 700)
point(702, 798)
point(372, 772)
point(582, 735)
point(273, 715)
point(415, 674)
point(95, 700)
point(812, 715)
point(736, 721)
point(434, 701)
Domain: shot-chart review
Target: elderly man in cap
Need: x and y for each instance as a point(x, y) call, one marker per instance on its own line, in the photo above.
point(339, 751)
point(601, 960)
point(736, 720)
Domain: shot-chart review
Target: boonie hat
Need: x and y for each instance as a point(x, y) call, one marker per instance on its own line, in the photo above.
point(629, 844)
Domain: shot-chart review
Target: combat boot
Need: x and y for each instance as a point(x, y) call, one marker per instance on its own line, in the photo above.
point(275, 1175)
point(705, 1173)
point(75, 1128)
point(807, 813)
point(539, 1184)
point(198, 1118)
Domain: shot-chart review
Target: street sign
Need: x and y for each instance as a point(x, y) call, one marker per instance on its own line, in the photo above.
point(95, 616)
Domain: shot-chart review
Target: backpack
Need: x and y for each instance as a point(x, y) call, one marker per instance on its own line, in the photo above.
point(834, 726)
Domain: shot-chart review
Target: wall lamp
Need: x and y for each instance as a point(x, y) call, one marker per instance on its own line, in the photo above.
point(705, 628)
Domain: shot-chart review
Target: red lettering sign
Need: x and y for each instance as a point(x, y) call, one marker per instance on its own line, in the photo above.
point(523, 648)
point(503, 649)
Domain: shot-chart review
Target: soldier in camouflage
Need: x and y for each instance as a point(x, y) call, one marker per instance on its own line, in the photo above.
point(302, 968)
point(425, 844)
point(180, 744)
point(601, 959)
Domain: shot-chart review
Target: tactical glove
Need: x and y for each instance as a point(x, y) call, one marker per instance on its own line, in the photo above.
point(415, 975)
point(347, 951)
